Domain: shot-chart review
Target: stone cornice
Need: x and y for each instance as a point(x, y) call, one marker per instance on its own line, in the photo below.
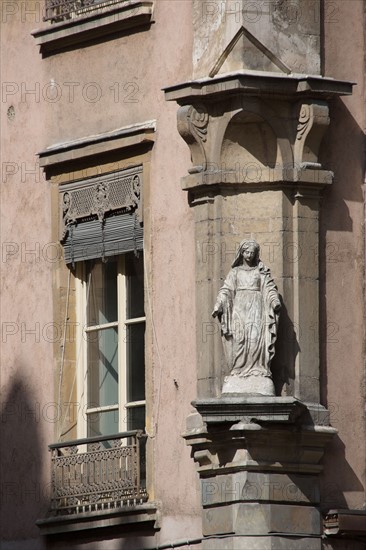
point(258, 83)
point(128, 136)
point(257, 408)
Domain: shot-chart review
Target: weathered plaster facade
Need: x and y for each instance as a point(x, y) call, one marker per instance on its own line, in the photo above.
point(266, 106)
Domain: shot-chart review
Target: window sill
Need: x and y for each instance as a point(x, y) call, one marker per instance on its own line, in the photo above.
point(94, 25)
point(131, 518)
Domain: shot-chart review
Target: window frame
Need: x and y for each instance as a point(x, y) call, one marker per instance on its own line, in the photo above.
point(82, 289)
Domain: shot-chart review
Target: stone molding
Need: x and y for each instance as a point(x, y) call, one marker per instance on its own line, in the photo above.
point(258, 409)
point(291, 111)
point(259, 466)
point(94, 25)
point(258, 82)
point(79, 149)
point(262, 433)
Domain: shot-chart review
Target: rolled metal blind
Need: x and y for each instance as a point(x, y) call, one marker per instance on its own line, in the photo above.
point(92, 239)
point(101, 216)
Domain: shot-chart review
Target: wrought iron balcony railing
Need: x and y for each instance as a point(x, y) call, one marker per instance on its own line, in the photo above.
point(61, 10)
point(98, 473)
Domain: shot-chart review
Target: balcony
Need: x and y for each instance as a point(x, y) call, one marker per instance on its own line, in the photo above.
point(61, 10)
point(70, 23)
point(99, 482)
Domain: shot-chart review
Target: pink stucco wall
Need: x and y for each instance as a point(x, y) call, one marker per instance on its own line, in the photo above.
point(128, 73)
point(342, 260)
point(26, 292)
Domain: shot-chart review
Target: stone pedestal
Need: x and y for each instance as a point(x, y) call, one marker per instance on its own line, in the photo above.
point(258, 459)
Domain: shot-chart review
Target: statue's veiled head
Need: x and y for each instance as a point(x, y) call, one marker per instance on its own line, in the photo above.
point(246, 247)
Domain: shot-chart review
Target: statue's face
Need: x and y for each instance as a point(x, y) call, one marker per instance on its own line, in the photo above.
point(249, 255)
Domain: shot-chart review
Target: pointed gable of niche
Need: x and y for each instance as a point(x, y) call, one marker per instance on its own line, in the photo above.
point(246, 52)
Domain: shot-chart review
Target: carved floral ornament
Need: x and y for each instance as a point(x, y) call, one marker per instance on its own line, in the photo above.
point(96, 197)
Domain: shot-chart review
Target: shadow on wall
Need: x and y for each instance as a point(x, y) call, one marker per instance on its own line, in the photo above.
point(104, 539)
point(345, 135)
point(287, 349)
point(24, 493)
point(338, 478)
point(344, 153)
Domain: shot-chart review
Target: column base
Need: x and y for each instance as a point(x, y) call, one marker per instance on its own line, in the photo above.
point(261, 543)
point(259, 460)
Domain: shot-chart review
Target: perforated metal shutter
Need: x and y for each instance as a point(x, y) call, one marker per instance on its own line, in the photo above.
point(90, 239)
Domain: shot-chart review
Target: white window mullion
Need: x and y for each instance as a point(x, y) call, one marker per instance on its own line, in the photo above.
point(81, 364)
point(135, 320)
point(122, 351)
point(102, 409)
point(94, 328)
point(133, 404)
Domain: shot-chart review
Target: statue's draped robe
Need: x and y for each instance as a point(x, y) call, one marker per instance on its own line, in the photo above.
point(248, 320)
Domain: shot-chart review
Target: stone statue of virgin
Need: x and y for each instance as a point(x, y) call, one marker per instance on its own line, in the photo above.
point(248, 307)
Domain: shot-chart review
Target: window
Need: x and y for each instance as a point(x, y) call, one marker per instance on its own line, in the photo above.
point(111, 381)
point(102, 236)
point(96, 469)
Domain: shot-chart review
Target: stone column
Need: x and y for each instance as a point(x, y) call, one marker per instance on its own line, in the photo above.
point(254, 123)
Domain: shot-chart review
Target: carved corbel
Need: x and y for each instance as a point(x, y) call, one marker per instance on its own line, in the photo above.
point(312, 123)
point(192, 126)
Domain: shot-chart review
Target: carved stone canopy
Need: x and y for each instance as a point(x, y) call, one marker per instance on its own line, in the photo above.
point(255, 128)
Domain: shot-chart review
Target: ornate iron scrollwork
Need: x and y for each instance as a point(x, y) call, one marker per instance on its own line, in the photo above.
point(95, 197)
point(107, 474)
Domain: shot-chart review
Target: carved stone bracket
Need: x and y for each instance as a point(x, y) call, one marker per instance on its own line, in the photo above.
point(312, 123)
point(241, 128)
point(192, 126)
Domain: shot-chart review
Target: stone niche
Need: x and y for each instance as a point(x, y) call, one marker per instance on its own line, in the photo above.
point(256, 173)
point(255, 141)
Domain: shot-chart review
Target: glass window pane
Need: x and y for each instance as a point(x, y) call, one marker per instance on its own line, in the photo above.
point(103, 423)
point(135, 340)
point(136, 418)
point(135, 286)
point(102, 352)
point(102, 292)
